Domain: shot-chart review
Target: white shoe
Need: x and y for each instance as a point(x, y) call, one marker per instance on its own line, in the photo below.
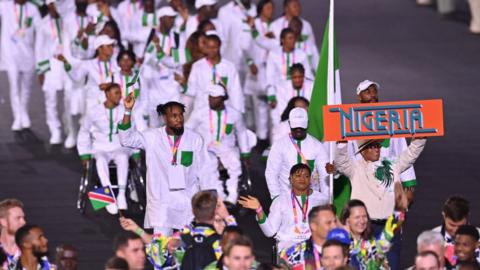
point(112, 209)
point(70, 142)
point(26, 123)
point(56, 137)
point(17, 125)
point(121, 202)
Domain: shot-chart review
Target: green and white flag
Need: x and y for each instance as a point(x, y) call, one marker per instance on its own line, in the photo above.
point(326, 88)
point(326, 91)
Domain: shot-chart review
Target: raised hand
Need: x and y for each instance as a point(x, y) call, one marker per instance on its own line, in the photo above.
point(249, 202)
point(129, 101)
point(128, 224)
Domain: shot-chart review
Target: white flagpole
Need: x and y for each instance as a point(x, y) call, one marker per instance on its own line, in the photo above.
point(331, 83)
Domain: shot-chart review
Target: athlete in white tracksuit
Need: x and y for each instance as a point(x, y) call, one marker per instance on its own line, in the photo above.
point(177, 167)
point(98, 138)
point(215, 69)
point(255, 83)
point(19, 18)
point(97, 72)
point(221, 128)
point(52, 40)
point(128, 11)
point(297, 147)
point(278, 68)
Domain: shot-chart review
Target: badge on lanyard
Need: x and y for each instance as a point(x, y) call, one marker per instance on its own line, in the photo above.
point(176, 174)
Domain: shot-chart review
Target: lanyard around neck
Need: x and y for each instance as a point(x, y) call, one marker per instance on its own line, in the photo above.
point(174, 147)
point(303, 207)
point(221, 129)
point(56, 29)
point(104, 72)
point(299, 151)
point(287, 63)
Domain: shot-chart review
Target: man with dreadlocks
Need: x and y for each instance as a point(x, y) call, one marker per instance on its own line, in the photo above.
point(373, 179)
point(178, 166)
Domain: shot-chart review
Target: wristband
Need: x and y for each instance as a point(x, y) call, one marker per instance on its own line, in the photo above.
point(259, 210)
point(128, 113)
point(139, 232)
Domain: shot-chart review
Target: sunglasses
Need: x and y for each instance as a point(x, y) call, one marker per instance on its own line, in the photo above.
point(374, 146)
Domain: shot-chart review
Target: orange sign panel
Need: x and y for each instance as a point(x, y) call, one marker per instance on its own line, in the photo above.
point(419, 118)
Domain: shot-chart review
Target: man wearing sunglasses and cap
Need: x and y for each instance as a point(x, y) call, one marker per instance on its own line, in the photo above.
point(297, 147)
point(221, 127)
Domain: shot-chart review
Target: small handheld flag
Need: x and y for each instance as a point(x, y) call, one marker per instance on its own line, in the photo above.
point(101, 197)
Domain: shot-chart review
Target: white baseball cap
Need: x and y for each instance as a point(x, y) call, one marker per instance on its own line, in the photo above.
point(212, 33)
point(48, 2)
point(201, 3)
point(365, 84)
point(216, 90)
point(102, 40)
point(166, 11)
point(298, 118)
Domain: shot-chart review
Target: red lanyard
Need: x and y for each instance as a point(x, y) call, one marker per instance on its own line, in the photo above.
point(316, 254)
point(18, 18)
point(286, 64)
point(56, 29)
point(299, 151)
point(108, 71)
point(220, 127)
point(174, 147)
point(304, 209)
point(215, 77)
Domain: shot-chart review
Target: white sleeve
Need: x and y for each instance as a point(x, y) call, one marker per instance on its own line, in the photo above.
point(236, 93)
point(343, 162)
point(129, 137)
point(272, 171)
point(410, 155)
point(272, 223)
point(84, 140)
point(242, 137)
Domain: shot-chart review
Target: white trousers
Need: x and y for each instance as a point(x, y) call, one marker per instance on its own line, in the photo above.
point(57, 79)
point(260, 110)
point(475, 11)
point(20, 89)
point(445, 6)
point(120, 158)
point(230, 159)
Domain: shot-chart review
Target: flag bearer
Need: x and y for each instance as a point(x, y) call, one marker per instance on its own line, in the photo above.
point(98, 138)
point(17, 55)
point(219, 124)
point(177, 166)
point(297, 147)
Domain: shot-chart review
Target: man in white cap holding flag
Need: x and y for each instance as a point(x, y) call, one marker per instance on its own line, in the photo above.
point(221, 127)
point(297, 147)
point(19, 18)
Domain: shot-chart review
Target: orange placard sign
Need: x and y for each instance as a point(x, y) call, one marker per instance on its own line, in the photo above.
point(419, 118)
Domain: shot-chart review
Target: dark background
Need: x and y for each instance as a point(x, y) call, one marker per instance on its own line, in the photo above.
point(409, 50)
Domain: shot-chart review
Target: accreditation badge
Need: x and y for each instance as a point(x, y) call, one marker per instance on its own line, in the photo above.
point(176, 177)
point(302, 231)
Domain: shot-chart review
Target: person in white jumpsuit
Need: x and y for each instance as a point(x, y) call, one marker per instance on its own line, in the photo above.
point(304, 43)
point(297, 147)
point(255, 84)
point(52, 40)
point(289, 226)
point(19, 18)
point(298, 86)
point(128, 11)
point(222, 127)
point(98, 72)
point(142, 24)
point(214, 69)
point(178, 166)
point(278, 71)
point(98, 138)
point(164, 57)
point(292, 9)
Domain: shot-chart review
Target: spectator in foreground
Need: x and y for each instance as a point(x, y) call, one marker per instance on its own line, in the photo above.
point(116, 263)
point(239, 254)
point(66, 257)
point(12, 218)
point(130, 247)
point(466, 244)
point(427, 260)
point(34, 248)
point(334, 254)
point(433, 242)
point(455, 213)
